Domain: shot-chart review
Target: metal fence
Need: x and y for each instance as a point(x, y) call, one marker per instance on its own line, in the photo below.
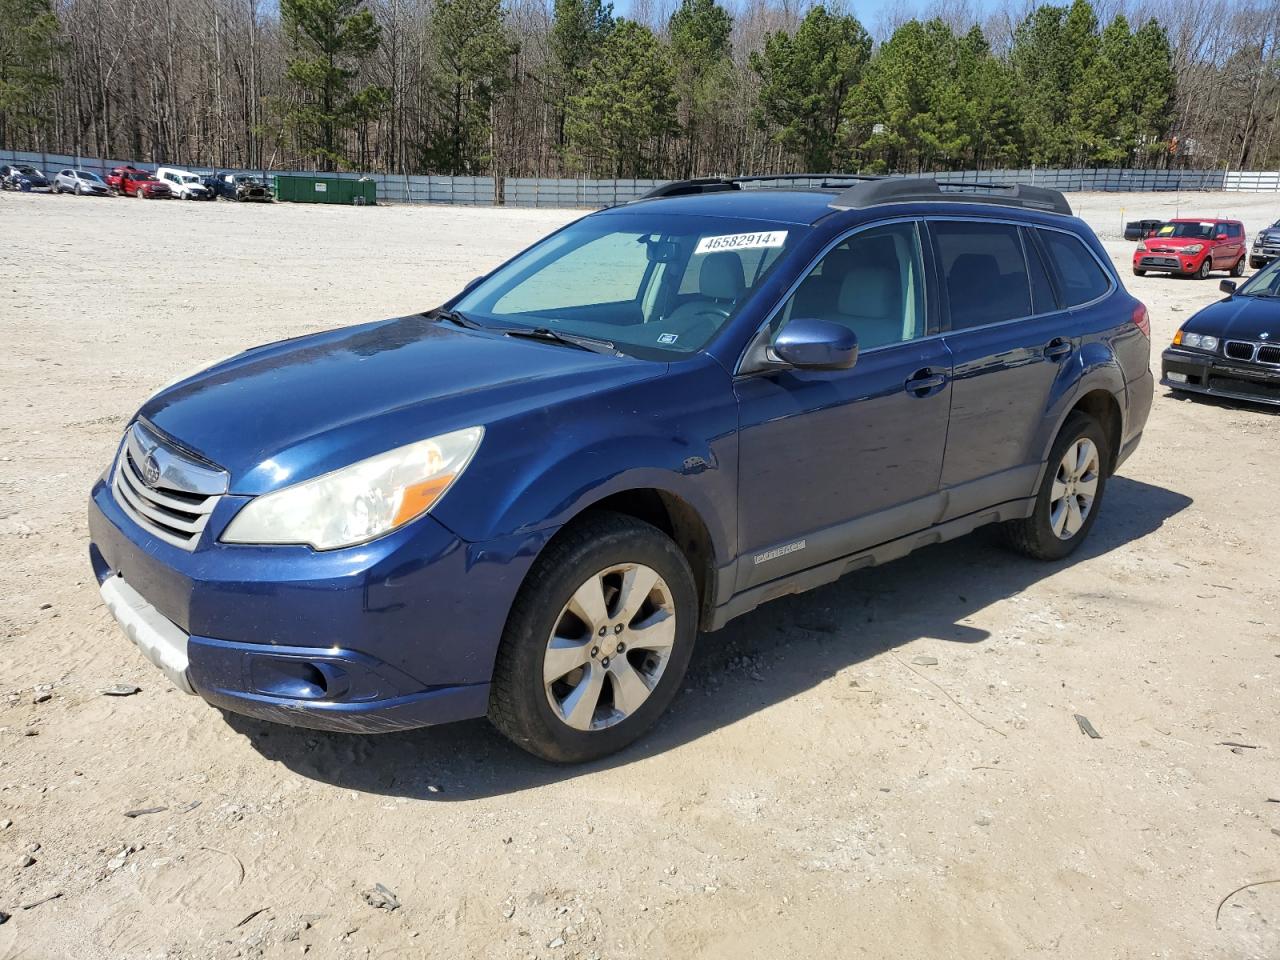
point(533, 192)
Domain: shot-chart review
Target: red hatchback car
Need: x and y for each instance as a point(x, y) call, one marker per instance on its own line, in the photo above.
point(139, 183)
point(1192, 248)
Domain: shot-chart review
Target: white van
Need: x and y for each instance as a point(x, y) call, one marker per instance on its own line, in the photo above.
point(184, 184)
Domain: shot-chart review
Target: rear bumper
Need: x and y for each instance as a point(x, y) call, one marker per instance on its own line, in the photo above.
point(1217, 377)
point(398, 633)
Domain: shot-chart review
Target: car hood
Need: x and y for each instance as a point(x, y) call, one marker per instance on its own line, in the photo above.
point(1239, 318)
point(288, 411)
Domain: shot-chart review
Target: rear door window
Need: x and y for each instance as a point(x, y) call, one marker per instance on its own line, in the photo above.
point(983, 269)
point(1082, 277)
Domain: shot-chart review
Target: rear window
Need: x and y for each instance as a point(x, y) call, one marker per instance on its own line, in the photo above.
point(1083, 278)
point(984, 270)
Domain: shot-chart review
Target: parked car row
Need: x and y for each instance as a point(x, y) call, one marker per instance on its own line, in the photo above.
point(126, 180)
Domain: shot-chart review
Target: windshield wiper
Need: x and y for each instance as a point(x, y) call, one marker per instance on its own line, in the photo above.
point(568, 339)
point(456, 317)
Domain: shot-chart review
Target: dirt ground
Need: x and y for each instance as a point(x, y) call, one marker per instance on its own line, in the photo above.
point(815, 791)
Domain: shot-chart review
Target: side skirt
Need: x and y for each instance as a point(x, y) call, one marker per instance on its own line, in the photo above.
point(825, 573)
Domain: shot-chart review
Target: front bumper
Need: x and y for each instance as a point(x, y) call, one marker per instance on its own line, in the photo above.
point(1265, 253)
point(1219, 377)
point(395, 634)
point(1168, 262)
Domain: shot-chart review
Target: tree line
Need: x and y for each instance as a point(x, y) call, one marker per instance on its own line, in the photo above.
point(679, 88)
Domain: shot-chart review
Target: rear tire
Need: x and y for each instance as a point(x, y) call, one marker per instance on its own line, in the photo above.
point(606, 695)
point(1237, 268)
point(1076, 472)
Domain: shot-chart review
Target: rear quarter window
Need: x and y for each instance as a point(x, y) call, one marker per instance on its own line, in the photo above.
point(1081, 276)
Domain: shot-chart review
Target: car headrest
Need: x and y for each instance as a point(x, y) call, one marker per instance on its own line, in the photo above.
point(868, 292)
point(721, 277)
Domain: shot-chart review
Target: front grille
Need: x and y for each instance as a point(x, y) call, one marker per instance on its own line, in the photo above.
point(1159, 262)
point(175, 507)
point(1248, 388)
point(1269, 353)
point(1239, 350)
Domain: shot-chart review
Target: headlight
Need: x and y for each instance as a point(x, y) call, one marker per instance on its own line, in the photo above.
point(1199, 341)
point(359, 502)
point(1142, 245)
point(1193, 249)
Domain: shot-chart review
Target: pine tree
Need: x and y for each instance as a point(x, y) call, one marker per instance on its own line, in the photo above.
point(28, 46)
point(626, 106)
point(1152, 82)
point(1042, 64)
point(699, 32)
point(1104, 126)
point(805, 80)
point(329, 40)
point(577, 27)
point(473, 51)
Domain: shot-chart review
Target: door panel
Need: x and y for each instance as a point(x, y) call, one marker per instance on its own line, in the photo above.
point(833, 461)
point(1004, 366)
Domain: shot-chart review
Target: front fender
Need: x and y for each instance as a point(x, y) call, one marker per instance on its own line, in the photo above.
point(675, 434)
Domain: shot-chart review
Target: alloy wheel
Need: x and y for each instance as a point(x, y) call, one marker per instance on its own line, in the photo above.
point(609, 647)
point(1075, 486)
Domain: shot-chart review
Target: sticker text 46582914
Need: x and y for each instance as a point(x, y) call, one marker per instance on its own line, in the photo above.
point(741, 241)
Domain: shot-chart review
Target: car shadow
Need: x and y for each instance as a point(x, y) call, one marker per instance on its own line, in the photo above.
point(776, 652)
point(1225, 403)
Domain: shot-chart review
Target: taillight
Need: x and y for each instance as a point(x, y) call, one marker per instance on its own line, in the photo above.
point(1141, 320)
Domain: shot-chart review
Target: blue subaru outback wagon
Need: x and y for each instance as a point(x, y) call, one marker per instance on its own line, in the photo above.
point(528, 502)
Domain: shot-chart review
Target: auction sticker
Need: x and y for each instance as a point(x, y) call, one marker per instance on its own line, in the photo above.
point(742, 241)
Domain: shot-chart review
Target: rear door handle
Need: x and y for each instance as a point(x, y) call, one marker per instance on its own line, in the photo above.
point(1057, 348)
point(923, 382)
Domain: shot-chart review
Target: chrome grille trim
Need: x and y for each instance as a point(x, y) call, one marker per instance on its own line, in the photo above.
point(1249, 351)
point(177, 507)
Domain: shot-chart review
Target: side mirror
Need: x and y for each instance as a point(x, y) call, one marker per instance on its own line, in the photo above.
point(1227, 286)
point(1221, 236)
point(812, 344)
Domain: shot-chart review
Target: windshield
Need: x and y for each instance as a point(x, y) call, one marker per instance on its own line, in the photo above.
point(1199, 231)
point(29, 171)
point(190, 178)
point(86, 175)
point(1264, 283)
point(651, 285)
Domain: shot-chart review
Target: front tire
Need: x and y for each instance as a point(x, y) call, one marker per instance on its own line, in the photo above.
point(1256, 264)
point(1070, 493)
point(1205, 267)
point(140, 195)
point(1139, 273)
point(597, 641)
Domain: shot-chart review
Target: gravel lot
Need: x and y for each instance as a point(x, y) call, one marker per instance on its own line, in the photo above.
point(816, 791)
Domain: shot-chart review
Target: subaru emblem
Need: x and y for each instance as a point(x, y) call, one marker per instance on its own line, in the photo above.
point(1265, 336)
point(150, 471)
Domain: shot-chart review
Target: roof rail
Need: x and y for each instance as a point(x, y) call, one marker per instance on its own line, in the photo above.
point(682, 188)
point(908, 189)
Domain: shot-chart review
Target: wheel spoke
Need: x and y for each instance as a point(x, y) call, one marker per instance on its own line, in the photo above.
point(657, 633)
point(629, 687)
point(1073, 518)
point(1084, 457)
point(636, 585)
point(564, 656)
point(1058, 517)
point(1058, 491)
point(587, 604)
point(1088, 488)
point(579, 707)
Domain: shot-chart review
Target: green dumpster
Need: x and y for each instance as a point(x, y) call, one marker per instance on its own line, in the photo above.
point(299, 189)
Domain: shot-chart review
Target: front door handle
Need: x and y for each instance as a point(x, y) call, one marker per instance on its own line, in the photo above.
point(925, 381)
point(1057, 348)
